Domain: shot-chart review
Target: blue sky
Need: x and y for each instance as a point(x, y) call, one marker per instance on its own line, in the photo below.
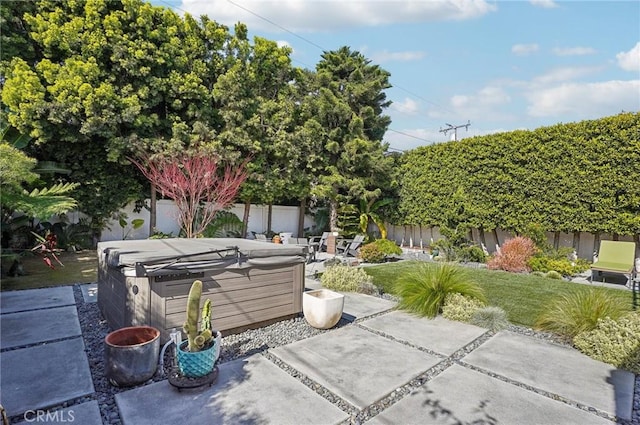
point(501, 66)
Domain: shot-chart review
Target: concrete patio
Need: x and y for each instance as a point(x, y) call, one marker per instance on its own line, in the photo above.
point(424, 371)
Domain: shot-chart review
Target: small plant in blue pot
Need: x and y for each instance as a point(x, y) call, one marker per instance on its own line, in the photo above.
point(198, 354)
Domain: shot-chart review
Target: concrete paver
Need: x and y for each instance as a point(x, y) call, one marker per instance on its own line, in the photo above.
point(89, 292)
point(357, 306)
point(252, 390)
point(558, 370)
point(32, 299)
point(87, 413)
point(440, 335)
point(463, 396)
point(355, 364)
point(34, 326)
point(44, 375)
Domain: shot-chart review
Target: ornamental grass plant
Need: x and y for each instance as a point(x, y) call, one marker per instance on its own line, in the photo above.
point(424, 288)
point(579, 312)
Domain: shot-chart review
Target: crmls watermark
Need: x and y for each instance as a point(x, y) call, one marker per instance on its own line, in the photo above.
point(44, 416)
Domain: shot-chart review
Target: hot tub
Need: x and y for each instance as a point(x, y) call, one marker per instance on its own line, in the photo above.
point(250, 283)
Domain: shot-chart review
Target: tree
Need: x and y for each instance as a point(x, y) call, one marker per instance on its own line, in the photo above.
point(345, 109)
point(255, 99)
point(196, 184)
point(111, 78)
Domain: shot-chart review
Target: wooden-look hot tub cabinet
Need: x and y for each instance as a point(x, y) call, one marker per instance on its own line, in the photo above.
point(250, 283)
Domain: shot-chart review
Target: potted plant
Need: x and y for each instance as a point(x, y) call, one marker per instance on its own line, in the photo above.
point(197, 355)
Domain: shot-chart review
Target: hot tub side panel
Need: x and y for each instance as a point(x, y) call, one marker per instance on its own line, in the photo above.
point(240, 298)
point(123, 300)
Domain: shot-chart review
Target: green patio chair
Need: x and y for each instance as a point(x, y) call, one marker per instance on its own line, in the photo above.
point(616, 257)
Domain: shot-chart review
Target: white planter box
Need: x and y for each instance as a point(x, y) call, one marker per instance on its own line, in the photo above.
point(322, 308)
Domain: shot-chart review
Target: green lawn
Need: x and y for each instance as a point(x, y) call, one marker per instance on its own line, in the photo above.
point(522, 296)
point(79, 267)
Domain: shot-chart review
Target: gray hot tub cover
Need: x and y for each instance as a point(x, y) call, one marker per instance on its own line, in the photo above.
point(132, 252)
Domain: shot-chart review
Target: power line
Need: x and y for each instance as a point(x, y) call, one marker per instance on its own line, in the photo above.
point(276, 25)
point(306, 40)
point(410, 135)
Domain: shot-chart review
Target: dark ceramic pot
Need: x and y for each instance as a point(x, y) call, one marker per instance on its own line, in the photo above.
point(131, 355)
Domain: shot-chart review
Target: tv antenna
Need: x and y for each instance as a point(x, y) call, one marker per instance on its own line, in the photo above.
point(454, 128)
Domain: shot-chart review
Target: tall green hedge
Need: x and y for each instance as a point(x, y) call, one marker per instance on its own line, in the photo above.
point(577, 177)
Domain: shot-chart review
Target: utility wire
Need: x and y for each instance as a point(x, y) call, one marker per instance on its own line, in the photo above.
point(306, 40)
point(277, 25)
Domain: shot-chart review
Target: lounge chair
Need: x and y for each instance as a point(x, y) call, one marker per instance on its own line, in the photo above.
point(616, 257)
point(349, 247)
point(261, 237)
point(319, 242)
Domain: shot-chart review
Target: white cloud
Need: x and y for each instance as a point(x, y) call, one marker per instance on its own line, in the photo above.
point(329, 15)
point(386, 56)
point(564, 74)
point(573, 51)
point(284, 43)
point(486, 104)
point(630, 61)
point(490, 95)
point(524, 49)
point(585, 100)
point(407, 106)
point(546, 4)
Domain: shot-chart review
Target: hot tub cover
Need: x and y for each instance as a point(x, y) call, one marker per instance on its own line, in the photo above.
point(182, 253)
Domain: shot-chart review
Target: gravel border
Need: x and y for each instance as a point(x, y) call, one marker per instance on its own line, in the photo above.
point(95, 328)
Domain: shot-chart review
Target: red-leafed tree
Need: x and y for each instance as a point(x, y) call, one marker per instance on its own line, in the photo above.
point(198, 183)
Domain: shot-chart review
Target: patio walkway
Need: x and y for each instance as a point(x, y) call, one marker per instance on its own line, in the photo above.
point(397, 368)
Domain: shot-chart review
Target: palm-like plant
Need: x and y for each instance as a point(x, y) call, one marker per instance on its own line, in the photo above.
point(369, 211)
point(423, 289)
point(16, 171)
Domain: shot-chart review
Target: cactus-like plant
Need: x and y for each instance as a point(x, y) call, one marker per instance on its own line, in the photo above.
point(197, 339)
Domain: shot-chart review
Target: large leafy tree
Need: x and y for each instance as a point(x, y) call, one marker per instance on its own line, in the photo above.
point(255, 96)
point(345, 108)
point(111, 77)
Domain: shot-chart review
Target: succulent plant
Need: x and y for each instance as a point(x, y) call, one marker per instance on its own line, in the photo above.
point(197, 339)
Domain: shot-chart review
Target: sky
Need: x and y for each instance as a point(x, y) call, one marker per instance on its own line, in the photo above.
point(496, 66)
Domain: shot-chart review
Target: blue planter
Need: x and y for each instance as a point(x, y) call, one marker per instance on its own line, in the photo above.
point(200, 363)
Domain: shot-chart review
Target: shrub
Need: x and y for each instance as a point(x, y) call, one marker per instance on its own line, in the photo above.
point(514, 255)
point(544, 263)
point(471, 253)
point(552, 274)
point(616, 342)
point(579, 312)
point(388, 247)
point(423, 289)
point(491, 317)
point(458, 307)
point(376, 251)
point(537, 273)
point(345, 278)
point(371, 253)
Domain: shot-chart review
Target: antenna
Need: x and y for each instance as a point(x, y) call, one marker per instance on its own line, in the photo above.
point(454, 128)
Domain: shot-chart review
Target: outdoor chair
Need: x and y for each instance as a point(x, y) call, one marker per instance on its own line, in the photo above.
point(320, 241)
point(261, 237)
point(616, 257)
point(349, 247)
